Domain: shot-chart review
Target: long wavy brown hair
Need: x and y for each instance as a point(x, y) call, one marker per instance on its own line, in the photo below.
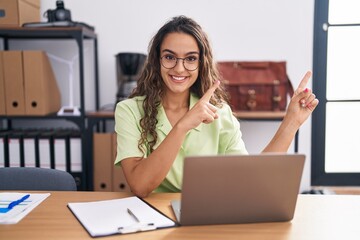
point(151, 85)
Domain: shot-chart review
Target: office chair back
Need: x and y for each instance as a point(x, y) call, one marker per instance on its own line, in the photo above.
point(31, 178)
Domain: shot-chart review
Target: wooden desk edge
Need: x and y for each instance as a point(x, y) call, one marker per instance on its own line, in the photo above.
point(258, 115)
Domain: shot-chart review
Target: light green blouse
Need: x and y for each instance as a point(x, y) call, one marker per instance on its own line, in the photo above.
point(223, 136)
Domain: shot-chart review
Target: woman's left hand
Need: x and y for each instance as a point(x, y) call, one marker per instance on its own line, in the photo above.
point(302, 103)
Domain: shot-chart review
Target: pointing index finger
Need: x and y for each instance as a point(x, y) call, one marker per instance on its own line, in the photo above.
point(210, 91)
point(305, 80)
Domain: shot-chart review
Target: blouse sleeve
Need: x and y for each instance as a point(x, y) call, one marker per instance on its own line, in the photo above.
point(127, 127)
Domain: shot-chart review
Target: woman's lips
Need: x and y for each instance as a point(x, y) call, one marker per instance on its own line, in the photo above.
point(178, 78)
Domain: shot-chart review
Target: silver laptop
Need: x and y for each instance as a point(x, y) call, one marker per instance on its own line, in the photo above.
point(229, 189)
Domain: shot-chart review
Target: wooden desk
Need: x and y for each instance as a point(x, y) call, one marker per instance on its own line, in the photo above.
point(316, 217)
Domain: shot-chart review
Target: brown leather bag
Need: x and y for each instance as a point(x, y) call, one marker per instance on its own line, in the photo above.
point(256, 86)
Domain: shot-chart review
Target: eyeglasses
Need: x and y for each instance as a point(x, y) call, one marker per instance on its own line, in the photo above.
point(190, 63)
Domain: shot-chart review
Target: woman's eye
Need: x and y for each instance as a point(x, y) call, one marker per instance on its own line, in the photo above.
point(170, 57)
point(191, 59)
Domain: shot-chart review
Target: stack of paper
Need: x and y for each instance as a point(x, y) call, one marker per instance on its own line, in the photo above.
point(123, 215)
point(15, 206)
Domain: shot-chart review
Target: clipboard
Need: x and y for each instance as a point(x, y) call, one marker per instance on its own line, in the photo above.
point(119, 216)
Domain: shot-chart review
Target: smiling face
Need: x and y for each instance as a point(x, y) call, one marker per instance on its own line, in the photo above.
point(178, 79)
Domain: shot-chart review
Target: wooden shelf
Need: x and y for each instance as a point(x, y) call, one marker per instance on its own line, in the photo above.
point(342, 190)
point(260, 115)
point(46, 32)
point(100, 114)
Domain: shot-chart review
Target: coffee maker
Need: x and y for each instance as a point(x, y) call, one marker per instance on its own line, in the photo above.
point(128, 69)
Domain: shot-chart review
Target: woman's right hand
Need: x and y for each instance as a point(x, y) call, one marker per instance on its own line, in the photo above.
point(202, 112)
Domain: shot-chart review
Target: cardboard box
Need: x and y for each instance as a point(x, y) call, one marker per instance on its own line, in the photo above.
point(13, 13)
point(2, 87)
point(30, 86)
point(119, 181)
point(102, 162)
point(107, 176)
point(42, 95)
point(14, 82)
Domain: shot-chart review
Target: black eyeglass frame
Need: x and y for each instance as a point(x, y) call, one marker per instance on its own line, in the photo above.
point(183, 61)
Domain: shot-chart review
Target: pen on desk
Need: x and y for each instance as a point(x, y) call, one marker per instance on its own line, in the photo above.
point(138, 226)
point(133, 215)
point(17, 202)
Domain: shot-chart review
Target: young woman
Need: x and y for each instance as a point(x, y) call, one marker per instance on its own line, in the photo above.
point(179, 108)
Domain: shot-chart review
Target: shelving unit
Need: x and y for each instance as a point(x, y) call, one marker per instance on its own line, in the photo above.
point(78, 34)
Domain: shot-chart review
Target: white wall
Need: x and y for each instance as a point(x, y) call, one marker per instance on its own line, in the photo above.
point(238, 30)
